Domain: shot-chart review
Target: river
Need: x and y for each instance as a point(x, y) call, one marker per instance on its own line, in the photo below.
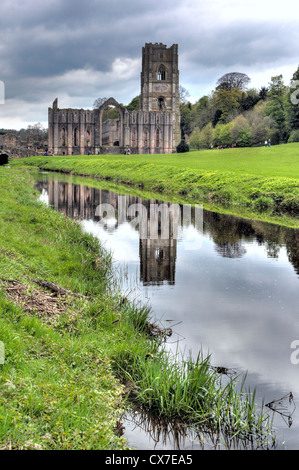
point(226, 286)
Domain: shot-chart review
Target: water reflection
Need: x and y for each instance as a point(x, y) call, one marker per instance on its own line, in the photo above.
point(236, 297)
point(143, 429)
point(158, 256)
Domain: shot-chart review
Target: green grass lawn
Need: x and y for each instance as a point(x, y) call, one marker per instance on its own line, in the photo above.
point(279, 160)
point(258, 182)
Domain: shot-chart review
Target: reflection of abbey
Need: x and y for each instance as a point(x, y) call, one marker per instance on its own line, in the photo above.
point(157, 256)
point(155, 128)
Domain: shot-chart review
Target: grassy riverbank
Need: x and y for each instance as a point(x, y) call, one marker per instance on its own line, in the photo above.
point(77, 350)
point(260, 182)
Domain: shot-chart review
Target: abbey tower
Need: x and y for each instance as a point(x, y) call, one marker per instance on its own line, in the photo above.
point(160, 82)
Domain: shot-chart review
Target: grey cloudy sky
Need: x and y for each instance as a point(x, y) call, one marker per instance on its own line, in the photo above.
point(78, 51)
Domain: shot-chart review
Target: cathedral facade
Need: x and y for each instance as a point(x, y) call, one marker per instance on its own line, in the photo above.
point(154, 128)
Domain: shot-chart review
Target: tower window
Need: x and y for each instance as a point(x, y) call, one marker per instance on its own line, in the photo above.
point(161, 73)
point(161, 103)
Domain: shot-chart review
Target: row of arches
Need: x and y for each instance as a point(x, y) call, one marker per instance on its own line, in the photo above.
point(134, 138)
point(146, 139)
point(75, 137)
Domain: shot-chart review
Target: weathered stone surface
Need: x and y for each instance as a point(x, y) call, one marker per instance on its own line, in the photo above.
point(155, 128)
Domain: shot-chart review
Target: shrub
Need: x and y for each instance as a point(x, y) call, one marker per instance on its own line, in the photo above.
point(262, 203)
point(294, 137)
point(182, 147)
point(290, 205)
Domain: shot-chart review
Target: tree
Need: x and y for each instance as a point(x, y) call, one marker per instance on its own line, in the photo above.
point(186, 128)
point(241, 132)
point(182, 147)
point(184, 94)
point(98, 102)
point(223, 135)
point(228, 102)
point(263, 93)
point(203, 112)
point(249, 99)
point(276, 102)
point(206, 136)
point(134, 105)
point(195, 138)
point(233, 80)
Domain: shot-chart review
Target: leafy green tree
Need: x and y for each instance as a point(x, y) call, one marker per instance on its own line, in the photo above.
point(182, 147)
point(202, 112)
point(294, 137)
point(241, 132)
point(195, 138)
point(186, 121)
point(249, 99)
point(134, 105)
point(263, 93)
point(206, 136)
point(228, 102)
point(223, 135)
point(276, 104)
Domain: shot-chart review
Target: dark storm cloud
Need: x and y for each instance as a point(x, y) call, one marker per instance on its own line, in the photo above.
point(49, 38)
point(45, 47)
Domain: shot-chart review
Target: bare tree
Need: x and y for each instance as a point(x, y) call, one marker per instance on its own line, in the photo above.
point(233, 80)
point(98, 102)
point(184, 94)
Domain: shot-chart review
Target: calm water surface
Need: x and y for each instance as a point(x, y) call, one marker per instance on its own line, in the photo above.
point(230, 289)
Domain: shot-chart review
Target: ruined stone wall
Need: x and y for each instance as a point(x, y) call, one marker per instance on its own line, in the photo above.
point(155, 128)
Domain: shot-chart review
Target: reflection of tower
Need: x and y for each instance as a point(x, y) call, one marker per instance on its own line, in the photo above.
point(157, 260)
point(159, 249)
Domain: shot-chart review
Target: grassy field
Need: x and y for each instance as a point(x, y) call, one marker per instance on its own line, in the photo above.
point(279, 160)
point(260, 183)
point(74, 357)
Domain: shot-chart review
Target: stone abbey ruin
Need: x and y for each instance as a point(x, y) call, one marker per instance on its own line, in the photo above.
point(154, 128)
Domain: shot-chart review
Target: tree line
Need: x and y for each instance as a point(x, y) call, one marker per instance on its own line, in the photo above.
point(235, 115)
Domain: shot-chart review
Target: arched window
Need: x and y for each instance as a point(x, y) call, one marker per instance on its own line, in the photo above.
point(63, 135)
point(76, 137)
point(161, 73)
point(145, 138)
point(158, 138)
point(161, 103)
point(88, 141)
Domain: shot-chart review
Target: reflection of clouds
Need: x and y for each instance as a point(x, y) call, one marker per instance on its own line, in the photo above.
point(44, 197)
point(123, 242)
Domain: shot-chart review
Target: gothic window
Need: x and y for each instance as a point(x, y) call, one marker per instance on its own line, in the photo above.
point(145, 138)
point(161, 103)
point(76, 137)
point(161, 73)
point(88, 138)
point(158, 138)
point(63, 134)
point(134, 138)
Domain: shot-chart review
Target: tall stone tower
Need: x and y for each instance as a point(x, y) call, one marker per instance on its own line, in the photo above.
point(160, 83)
